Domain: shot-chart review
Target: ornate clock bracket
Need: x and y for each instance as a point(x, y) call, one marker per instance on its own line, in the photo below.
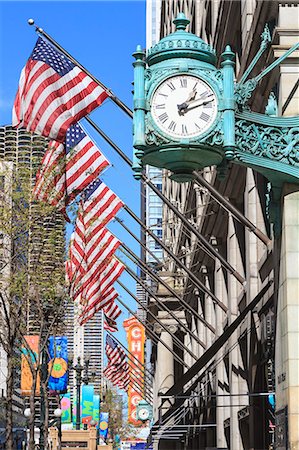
point(269, 145)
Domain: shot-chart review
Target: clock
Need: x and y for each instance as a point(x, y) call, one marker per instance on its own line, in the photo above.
point(144, 411)
point(184, 106)
point(143, 414)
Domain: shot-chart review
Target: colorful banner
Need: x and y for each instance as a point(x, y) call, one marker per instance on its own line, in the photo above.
point(58, 379)
point(104, 418)
point(29, 353)
point(96, 408)
point(136, 340)
point(87, 393)
point(66, 407)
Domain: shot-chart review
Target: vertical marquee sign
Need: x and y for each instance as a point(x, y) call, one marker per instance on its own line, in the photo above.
point(136, 340)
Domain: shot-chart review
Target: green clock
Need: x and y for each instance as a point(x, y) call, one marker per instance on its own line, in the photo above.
point(144, 411)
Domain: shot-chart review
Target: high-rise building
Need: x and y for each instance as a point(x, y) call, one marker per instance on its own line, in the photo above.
point(17, 147)
point(86, 341)
point(232, 394)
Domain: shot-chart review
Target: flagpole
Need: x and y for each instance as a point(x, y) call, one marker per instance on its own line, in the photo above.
point(153, 335)
point(139, 241)
point(143, 393)
point(113, 97)
point(151, 273)
point(175, 339)
point(196, 282)
point(145, 388)
point(155, 319)
point(164, 307)
point(205, 245)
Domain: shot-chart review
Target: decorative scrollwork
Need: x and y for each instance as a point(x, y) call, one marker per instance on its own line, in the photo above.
point(216, 136)
point(279, 144)
point(151, 135)
point(244, 92)
point(152, 76)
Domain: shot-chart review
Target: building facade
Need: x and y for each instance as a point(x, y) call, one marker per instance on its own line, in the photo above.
point(244, 396)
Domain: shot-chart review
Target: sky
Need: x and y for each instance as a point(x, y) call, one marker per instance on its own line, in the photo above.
point(101, 35)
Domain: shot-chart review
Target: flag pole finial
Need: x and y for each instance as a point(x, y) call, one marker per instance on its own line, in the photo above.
point(30, 21)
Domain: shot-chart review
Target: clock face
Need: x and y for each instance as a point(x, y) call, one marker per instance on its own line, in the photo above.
point(184, 106)
point(143, 414)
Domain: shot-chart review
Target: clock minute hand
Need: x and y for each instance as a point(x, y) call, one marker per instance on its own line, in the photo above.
point(182, 108)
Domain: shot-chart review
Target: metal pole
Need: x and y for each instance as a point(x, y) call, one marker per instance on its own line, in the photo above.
point(199, 179)
point(196, 282)
point(78, 369)
point(113, 97)
point(152, 333)
point(139, 241)
point(172, 291)
point(44, 373)
point(207, 247)
point(164, 307)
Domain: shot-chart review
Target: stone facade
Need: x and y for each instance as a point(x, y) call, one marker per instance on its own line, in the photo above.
point(234, 390)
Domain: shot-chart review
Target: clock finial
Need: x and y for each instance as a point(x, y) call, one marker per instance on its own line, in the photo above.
point(181, 22)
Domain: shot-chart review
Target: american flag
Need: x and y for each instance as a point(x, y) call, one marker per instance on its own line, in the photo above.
point(110, 325)
point(99, 286)
point(67, 169)
point(117, 370)
point(106, 302)
point(120, 378)
point(53, 93)
point(96, 256)
point(114, 352)
point(97, 207)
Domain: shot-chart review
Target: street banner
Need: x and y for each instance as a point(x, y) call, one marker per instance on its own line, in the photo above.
point(136, 340)
point(87, 393)
point(65, 405)
point(104, 418)
point(96, 409)
point(29, 353)
point(58, 365)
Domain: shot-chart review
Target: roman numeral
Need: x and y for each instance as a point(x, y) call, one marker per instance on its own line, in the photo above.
point(207, 105)
point(183, 82)
point(163, 117)
point(184, 129)
point(163, 95)
point(204, 116)
point(197, 126)
point(204, 94)
point(172, 126)
point(171, 86)
point(162, 106)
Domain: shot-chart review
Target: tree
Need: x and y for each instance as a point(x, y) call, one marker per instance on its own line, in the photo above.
point(32, 277)
point(113, 403)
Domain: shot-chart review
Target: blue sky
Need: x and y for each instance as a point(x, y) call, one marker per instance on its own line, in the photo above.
point(101, 35)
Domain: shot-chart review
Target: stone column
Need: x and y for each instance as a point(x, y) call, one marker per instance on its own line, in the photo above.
point(287, 331)
point(164, 377)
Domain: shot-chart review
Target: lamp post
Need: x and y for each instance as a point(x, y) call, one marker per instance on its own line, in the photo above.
point(82, 375)
point(57, 420)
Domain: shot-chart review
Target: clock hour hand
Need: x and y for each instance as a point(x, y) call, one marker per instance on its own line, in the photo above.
point(190, 98)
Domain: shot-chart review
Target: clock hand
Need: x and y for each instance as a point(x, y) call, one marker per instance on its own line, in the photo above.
point(184, 107)
point(190, 98)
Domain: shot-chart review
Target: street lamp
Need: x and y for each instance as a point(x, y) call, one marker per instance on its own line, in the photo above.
point(82, 375)
point(27, 413)
point(57, 421)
